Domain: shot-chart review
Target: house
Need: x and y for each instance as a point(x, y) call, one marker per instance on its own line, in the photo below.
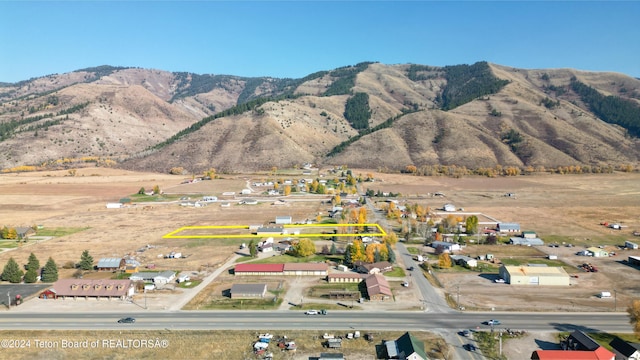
point(630, 245)
point(24, 232)
point(248, 291)
point(280, 220)
point(599, 354)
point(270, 230)
point(597, 252)
point(83, 288)
point(156, 277)
point(529, 234)
point(131, 266)
point(625, 350)
point(449, 207)
point(344, 278)
point(446, 246)
point(525, 241)
point(335, 343)
point(578, 346)
point(508, 227)
point(464, 261)
point(372, 268)
point(111, 264)
point(406, 347)
point(249, 202)
point(378, 288)
point(534, 275)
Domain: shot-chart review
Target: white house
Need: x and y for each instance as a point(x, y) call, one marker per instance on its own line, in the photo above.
point(449, 207)
point(445, 246)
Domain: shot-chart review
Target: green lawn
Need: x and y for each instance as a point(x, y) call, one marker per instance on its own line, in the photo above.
point(59, 231)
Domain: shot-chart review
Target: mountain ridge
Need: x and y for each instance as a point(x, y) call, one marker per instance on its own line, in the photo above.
point(533, 119)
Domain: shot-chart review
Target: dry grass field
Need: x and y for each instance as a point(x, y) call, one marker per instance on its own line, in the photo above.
point(231, 345)
point(559, 208)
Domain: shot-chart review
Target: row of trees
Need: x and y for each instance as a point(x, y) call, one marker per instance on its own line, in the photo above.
point(456, 171)
point(14, 274)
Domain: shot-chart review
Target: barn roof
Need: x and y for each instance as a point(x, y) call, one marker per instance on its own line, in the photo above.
point(259, 268)
point(305, 267)
point(109, 263)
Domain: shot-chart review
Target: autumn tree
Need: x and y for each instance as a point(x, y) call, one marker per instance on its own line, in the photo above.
point(50, 271)
point(634, 316)
point(471, 224)
point(369, 253)
point(444, 261)
point(211, 173)
point(287, 190)
point(156, 190)
point(391, 238)
point(304, 247)
point(336, 200)
point(357, 251)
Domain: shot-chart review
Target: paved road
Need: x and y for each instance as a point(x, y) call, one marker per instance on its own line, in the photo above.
point(335, 320)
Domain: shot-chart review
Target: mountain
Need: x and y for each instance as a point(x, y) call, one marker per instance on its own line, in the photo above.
point(369, 115)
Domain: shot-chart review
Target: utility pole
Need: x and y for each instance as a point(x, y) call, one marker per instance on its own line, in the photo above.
point(615, 300)
point(9, 299)
point(500, 342)
point(458, 296)
point(145, 299)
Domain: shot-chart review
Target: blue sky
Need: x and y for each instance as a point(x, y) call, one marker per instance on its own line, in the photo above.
point(295, 38)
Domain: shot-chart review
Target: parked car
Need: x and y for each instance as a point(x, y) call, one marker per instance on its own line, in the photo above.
point(127, 320)
point(410, 268)
point(493, 322)
point(499, 280)
point(466, 333)
point(311, 312)
point(471, 347)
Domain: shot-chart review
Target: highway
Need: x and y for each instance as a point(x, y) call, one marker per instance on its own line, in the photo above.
point(335, 320)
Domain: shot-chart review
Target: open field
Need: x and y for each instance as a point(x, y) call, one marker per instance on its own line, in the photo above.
point(232, 345)
point(559, 208)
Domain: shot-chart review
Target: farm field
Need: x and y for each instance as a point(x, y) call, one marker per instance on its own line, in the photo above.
point(560, 208)
point(565, 208)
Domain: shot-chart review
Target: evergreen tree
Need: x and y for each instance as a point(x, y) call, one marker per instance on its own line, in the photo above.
point(50, 271)
point(33, 263)
point(253, 250)
point(333, 249)
point(86, 261)
point(347, 254)
point(376, 255)
point(12, 272)
point(31, 276)
point(392, 254)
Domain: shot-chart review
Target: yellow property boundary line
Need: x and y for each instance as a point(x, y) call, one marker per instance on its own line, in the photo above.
point(174, 234)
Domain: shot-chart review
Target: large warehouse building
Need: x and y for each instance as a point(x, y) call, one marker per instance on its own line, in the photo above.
point(534, 275)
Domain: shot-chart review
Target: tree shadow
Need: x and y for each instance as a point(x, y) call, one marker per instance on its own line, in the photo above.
point(548, 345)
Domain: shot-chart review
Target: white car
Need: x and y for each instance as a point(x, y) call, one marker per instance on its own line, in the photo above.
point(311, 312)
point(501, 281)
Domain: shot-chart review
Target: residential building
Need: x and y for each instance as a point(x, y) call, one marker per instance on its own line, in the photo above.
point(111, 264)
point(406, 347)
